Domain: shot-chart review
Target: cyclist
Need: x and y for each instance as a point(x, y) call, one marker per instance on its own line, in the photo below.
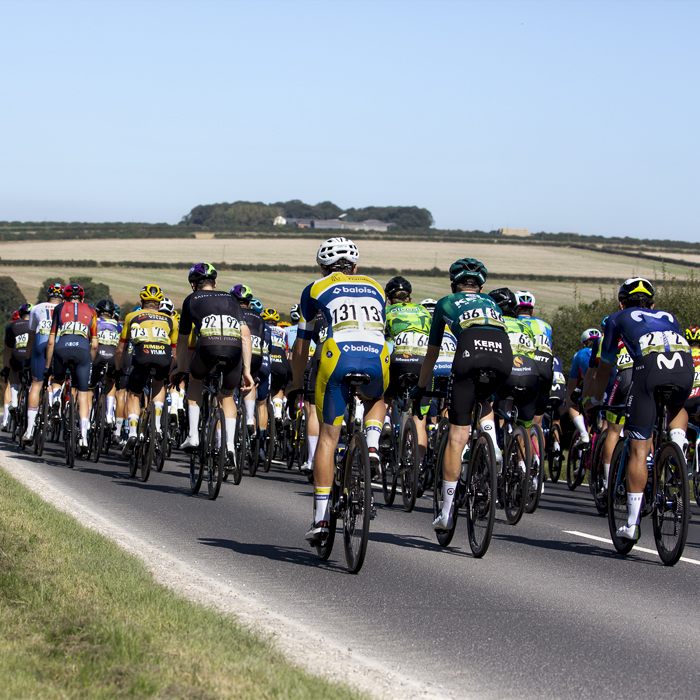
point(429, 305)
point(407, 330)
point(108, 331)
point(14, 357)
point(557, 394)
point(661, 356)
point(73, 338)
point(213, 325)
point(579, 365)
point(174, 391)
point(280, 369)
point(153, 335)
point(120, 379)
point(482, 344)
point(692, 405)
point(353, 305)
point(39, 329)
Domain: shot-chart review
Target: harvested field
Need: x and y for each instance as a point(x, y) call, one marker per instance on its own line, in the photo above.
point(500, 258)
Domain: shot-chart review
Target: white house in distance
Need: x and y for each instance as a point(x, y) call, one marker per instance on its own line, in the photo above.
point(369, 225)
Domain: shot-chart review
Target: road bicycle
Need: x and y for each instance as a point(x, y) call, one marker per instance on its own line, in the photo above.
point(578, 461)
point(269, 444)
point(99, 437)
point(693, 460)
point(298, 448)
point(351, 491)
point(535, 480)
point(666, 496)
point(552, 439)
point(148, 448)
point(69, 415)
point(20, 425)
point(247, 443)
point(43, 417)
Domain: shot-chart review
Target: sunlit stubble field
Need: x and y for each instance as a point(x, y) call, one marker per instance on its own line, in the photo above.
point(277, 289)
point(499, 258)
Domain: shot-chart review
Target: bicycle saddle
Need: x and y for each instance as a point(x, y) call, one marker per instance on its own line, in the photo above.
point(356, 379)
point(664, 392)
point(409, 380)
point(485, 376)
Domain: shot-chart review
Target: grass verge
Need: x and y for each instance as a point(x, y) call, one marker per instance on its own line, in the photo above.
point(81, 618)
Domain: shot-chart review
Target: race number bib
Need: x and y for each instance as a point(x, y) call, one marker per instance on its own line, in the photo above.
point(108, 337)
point(411, 343)
point(44, 327)
point(256, 341)
point(663, 341)
point(73, 328)
point(21, 341)
point(481, 317)
point(361, 314)
point(542, 341)
point(448, 348)
point(220, 326)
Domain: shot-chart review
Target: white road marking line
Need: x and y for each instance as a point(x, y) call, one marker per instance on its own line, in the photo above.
point(636, 548)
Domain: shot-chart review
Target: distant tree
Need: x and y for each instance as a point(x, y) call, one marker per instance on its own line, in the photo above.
point(94, 291)
point(10, 299)
point(44, 286)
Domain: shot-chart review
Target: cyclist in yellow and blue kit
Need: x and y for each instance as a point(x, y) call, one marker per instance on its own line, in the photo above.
point(353, 305)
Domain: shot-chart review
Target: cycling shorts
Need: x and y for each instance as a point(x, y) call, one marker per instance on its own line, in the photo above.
point(263, 391)
point(255, 365)
point(545, 366)
point(16, 364)
point(278, 381)
point(279, 364)
point(38, 362)
point(332, 394)
point(204, 361)
point(398, 367)
point(523, 386)
point(650, 371)
point(97, 368)
point(477, 349)
point(83, 366)
point(140, 371)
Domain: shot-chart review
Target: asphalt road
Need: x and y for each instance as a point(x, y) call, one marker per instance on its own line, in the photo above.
point(549, 612)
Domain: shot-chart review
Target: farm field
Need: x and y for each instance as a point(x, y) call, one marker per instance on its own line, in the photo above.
point(280, 290)
point(499, 258)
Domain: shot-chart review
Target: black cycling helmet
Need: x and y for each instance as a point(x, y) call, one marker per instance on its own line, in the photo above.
point(468, 267)
point(635, 285)
point(506, 300)
point(105, 306)
point(201, 271)
point(397, 284)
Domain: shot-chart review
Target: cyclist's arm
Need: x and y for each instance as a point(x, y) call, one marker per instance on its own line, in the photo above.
point(300, 355)
point(92, 334)
point(6, 355)
point(247, 348)
point(49, 349)
point(588, 381)
point(30, 343)
point(601, 379)
point(426, 370)
point(570, 386)
point(119, 356)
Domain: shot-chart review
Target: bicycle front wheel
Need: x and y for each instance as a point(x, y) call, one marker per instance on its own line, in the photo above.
point(596, 476)
point(444, 537)
point(536, 471)
point(409, 464)
point(357, 488)
point(326, 547)
point(481, 496)
point(270, 442)
point(387, 452)
point(216, 454)
point(515, 477)
point(672, 509)
point(42, 423)
point(576, 462)
point(617, 496)
point(241, 444)
point(554, 455)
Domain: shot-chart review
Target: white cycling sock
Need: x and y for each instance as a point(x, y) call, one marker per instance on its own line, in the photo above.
point(111, 407)
point(159, 408)
point(634, 504)
point(277, 407)
point(313, 443)
point(218, 437)
point(31, 417)
point(120, 425)
point(387, 420)
point(250, 411)
point(230, 434)
point(373, 431)
point(448, 495)
point(489, 427)
point(580, 424)
point(193, 413)
point(322, 494)
point(6, 414)
point(84, 425)
point(133, 424)
point(678, 436)
point(14, 390)
point(606, 471)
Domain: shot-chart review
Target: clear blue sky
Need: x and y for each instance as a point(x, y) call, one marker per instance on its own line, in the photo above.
point(554, 116)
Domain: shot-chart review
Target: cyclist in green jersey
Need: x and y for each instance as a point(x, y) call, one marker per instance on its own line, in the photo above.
point(482, 362)
point(407, 329)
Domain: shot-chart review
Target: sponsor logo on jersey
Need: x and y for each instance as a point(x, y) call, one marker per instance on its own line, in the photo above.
point(492, 345)
point(466, 353)
point(669, 362)
point(517, 361)
point(639, 315)
point(351, 347)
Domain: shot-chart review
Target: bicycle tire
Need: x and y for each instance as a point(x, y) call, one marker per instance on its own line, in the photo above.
point(270, 440)
point(241, 444)
point(554, 457)
point(534, 493)
point(515, 479)
point(326, 547)
point(254, 445)
point(387, 452)
point(409, 464)
point(98, 431)
point(481, 496)
point(196, 470)
point(162, 439)
point(617, 497)
point(596, 477)
point(672, 508)
point(135, 460)
point(69, 436)
point(290, 449)
point(216, 454)
point(696, 485)
point(42, 418)
point(576, 462)
point(444, 537)
point(303, 451)
point(21, 410)
point(149, 445)
point(357, 487)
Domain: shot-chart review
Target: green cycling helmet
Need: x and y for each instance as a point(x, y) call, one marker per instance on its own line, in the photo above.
point(468, 267)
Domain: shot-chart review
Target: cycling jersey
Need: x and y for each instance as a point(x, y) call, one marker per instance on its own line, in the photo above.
point(40, 322)
point(16, 338)
point(216, 318)
point(522, 341)
point(579, 363)
point(257, 337)
point(408, 327)
point(464, 310)
point(542, 333)
point(448, 347)
point(695, 393)
point(291, 336)
point(558, 391)
point(319, 338)
point(74, 323)
point(108, 332)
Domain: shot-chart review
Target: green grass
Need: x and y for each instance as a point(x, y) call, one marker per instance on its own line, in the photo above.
point(80, 618)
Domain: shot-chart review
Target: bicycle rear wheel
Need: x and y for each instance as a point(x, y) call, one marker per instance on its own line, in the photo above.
point(536, 471)
point(216, 453)
point(554, 456)
point(617, 496)
point(444, 537)
point(515, 478)
point(42, 423)
point(696, 486)
point(409, 464)
point(672, 508)
point(576, 462)
point(254, 446)
point(241, 444)
point(387, 452)
point(162, 438)
point(326, 547)
point(69, 431)
point(357, 487)
point(481, 496)
point(21, 413)
point(596, 476)
point(196, 470)
point(149, 446)
point(97, 429)
point(270, 441)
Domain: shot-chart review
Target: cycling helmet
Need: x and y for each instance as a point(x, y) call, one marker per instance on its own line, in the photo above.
point(525, 300)
point(468, 267)
point(55, 290)
point(242, 292)
point(589, 334)
point(24, 309)
point(635, 285)
point(295, 312)
point(176, 317)
point(429, 304)
point(335, 249)
point(506, 300)
point(166, 306)
point(72, 291)
point(603, 322)
point(692, 334)
point(105, 306)
point(15, 315)
point(397, 284)
point(256, 305)
point(284, 324)
point(151, 292)
point(201, 271)
point(270, 315)
point(117, 311)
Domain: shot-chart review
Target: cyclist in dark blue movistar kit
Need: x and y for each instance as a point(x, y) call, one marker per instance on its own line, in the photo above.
point(662, 356)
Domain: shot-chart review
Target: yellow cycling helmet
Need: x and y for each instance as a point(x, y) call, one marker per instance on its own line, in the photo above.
point(176, 317)
point(284, 324)
point(151, 292)
point(693, 334)
point(270, 315)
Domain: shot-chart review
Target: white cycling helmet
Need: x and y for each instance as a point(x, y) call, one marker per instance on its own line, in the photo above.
point(335, 249)
point(525, 299)
point(429, 304)
point(166, 306)
point(589, 334)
